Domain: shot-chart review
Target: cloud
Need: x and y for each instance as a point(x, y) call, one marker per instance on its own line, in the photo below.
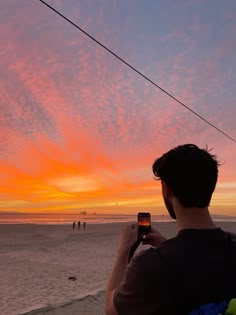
point(74, 184)
point(79, 127)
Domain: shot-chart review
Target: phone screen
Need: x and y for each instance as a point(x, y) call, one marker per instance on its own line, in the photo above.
point(144, 224)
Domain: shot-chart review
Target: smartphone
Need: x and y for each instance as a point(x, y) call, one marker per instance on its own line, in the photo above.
point(144, 224)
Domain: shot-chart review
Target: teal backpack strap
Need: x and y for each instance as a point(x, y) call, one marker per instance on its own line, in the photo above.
point(211, 309)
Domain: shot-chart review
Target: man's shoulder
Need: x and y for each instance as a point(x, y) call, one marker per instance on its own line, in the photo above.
point(154, 255)
point(145, 255)
point(154, 252)
point(151, 264)
point(232, 236)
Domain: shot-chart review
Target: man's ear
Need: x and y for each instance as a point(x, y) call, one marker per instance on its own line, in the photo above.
point(167, 192)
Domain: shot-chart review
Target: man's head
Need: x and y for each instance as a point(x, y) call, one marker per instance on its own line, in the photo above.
point(189, 173)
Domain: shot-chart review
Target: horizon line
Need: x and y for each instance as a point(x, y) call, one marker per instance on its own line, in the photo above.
point(94, 213)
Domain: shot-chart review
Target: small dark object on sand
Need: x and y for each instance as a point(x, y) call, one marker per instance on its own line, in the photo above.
point(72, 278)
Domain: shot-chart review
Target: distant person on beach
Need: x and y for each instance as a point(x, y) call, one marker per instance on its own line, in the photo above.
point(73, 225)
point(79, 225)
point(84, 225)
point(194, 268)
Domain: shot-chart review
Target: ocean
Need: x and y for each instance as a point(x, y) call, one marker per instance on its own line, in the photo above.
point(62, 218)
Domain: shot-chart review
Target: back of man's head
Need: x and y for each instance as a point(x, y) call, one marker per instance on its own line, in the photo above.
point(190, 172)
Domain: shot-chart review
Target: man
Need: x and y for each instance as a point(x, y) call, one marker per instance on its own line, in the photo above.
point(197, 266)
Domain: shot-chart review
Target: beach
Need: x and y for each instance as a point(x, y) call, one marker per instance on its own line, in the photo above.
point(53, 269)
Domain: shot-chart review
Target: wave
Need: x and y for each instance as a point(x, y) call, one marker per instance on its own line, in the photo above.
point(96, 300)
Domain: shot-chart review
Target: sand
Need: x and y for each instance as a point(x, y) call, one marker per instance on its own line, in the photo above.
point(37, 260)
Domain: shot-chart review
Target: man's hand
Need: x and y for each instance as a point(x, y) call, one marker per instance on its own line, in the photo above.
point(128, 237)
point(153, 238)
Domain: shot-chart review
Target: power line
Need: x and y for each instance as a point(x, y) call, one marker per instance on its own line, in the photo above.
point(137, 71)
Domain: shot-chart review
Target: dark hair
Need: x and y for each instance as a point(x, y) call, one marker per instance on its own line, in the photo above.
point(190, 172)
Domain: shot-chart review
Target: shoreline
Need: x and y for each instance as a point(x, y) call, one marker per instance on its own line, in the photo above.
point(85, 304)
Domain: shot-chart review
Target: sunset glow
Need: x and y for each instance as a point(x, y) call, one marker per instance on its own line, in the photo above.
point(80, 131)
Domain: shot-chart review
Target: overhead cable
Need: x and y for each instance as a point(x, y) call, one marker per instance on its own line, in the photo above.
point(136, 70)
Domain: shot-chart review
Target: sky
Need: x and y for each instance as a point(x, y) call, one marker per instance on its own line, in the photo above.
point(79, 130)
